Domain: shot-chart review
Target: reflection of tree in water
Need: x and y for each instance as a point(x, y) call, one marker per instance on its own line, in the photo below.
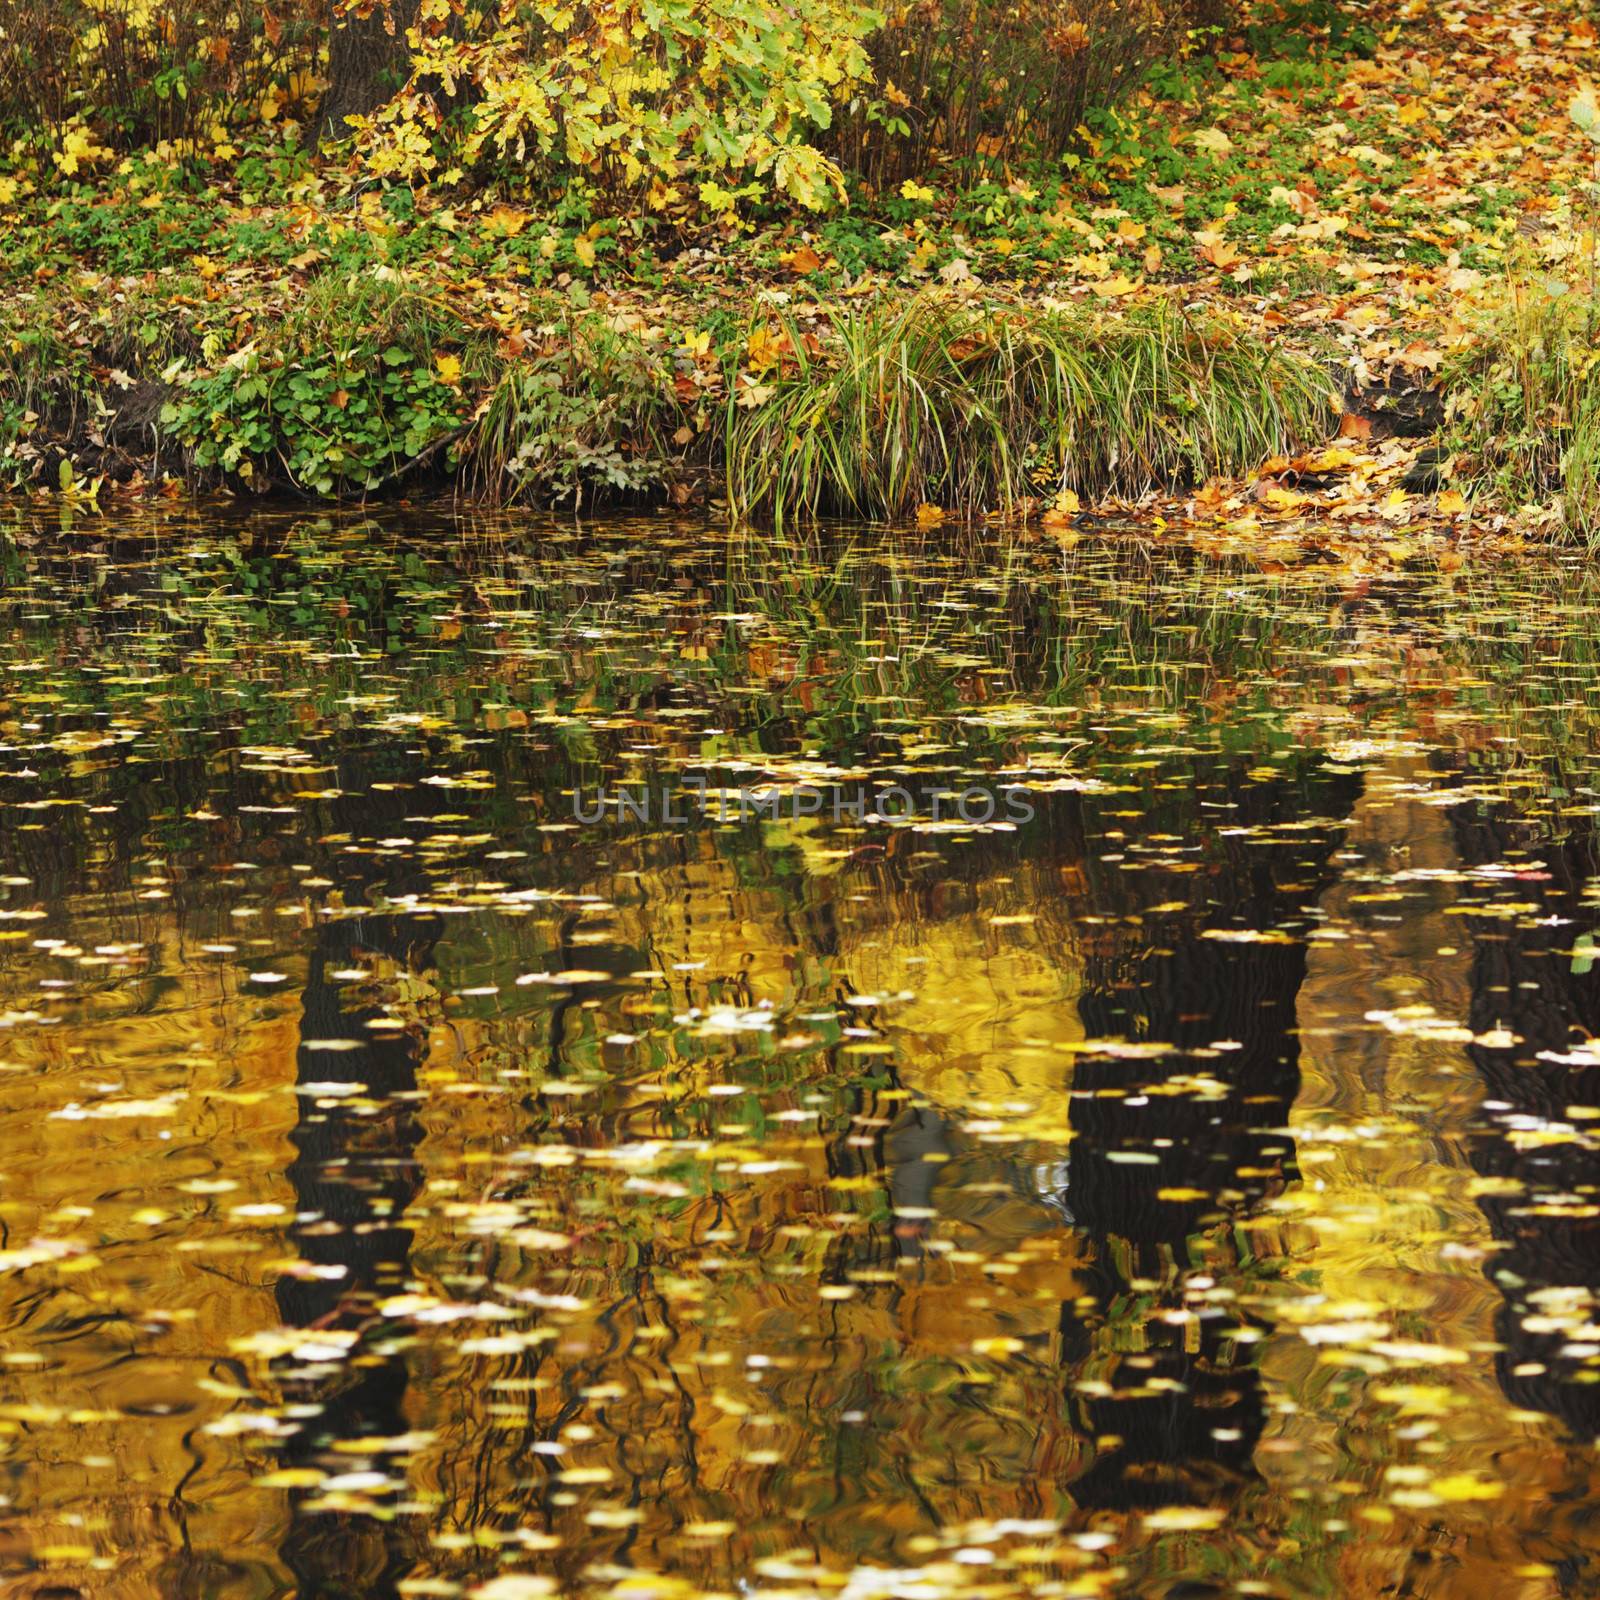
point(354, 1174)
point(852, 1434)
point(1159, 1171)
point(1527, 984)
point(851, 1430)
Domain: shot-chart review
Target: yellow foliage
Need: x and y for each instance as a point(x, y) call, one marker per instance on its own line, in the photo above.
point(641, 92)
point(79, 149)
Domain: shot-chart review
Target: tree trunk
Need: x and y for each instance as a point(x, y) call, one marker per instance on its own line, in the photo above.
point(366, 60)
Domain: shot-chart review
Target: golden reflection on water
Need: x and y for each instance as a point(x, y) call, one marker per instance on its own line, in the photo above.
point(408, 1190)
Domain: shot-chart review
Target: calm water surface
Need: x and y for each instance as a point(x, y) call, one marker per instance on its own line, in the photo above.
point(507, 1086)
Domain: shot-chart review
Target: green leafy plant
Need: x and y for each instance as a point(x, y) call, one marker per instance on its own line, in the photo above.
point(352, 393)
point(594, 410)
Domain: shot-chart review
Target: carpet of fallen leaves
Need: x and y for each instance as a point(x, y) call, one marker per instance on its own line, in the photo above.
point(1456, 135)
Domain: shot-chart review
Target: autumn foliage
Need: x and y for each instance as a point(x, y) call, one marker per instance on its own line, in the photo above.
point(634, 92)
point(653, 103)
point(977, 84)
point(134, 73)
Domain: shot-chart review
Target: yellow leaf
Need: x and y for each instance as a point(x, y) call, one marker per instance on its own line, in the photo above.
point(507, 221)
point(1181, 1519)
point(764, 349)
point(1466, 1486)
point(1452, 503)
point(1115, 288)
point(1214, 140)
point(448, 369)
point(291, 1478)
point(1063, 508)
point(583, 249)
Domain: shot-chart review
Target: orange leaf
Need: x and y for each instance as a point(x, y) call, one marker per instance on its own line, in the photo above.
point(507, 221)
point(802, 260)
point(1221, 253)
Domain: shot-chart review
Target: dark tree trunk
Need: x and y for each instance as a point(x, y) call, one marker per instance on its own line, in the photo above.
point(366, 60)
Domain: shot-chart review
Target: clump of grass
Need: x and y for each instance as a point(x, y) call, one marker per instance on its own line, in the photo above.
point(55, 396)
point(340, 311)
point(1525, 402)
point(976, 408)
point(366, 383)
point(42, 380)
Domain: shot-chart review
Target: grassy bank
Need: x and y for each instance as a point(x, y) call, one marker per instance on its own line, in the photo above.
point(1524, 400)
point(369, 384)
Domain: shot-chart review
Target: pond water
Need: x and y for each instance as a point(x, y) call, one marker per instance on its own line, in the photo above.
point(626, 1060)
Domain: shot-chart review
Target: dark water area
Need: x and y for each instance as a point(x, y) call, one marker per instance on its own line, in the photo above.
point(622, 1059)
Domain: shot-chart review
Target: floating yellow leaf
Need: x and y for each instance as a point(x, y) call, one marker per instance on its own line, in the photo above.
point(1183, 1519)
point(1461, 1486)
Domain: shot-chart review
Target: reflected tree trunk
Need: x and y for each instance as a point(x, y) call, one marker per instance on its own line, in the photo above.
point(1171, 1148)
point(1536, 1017)
point(354, 1175)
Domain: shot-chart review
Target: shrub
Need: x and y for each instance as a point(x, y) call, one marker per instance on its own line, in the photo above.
point(1525, 399)
point(41, 378)
point(982, 82)
point(349, 393)
point(142, 72)
point(595, 409)
point(635, 93)
point(652, 103)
